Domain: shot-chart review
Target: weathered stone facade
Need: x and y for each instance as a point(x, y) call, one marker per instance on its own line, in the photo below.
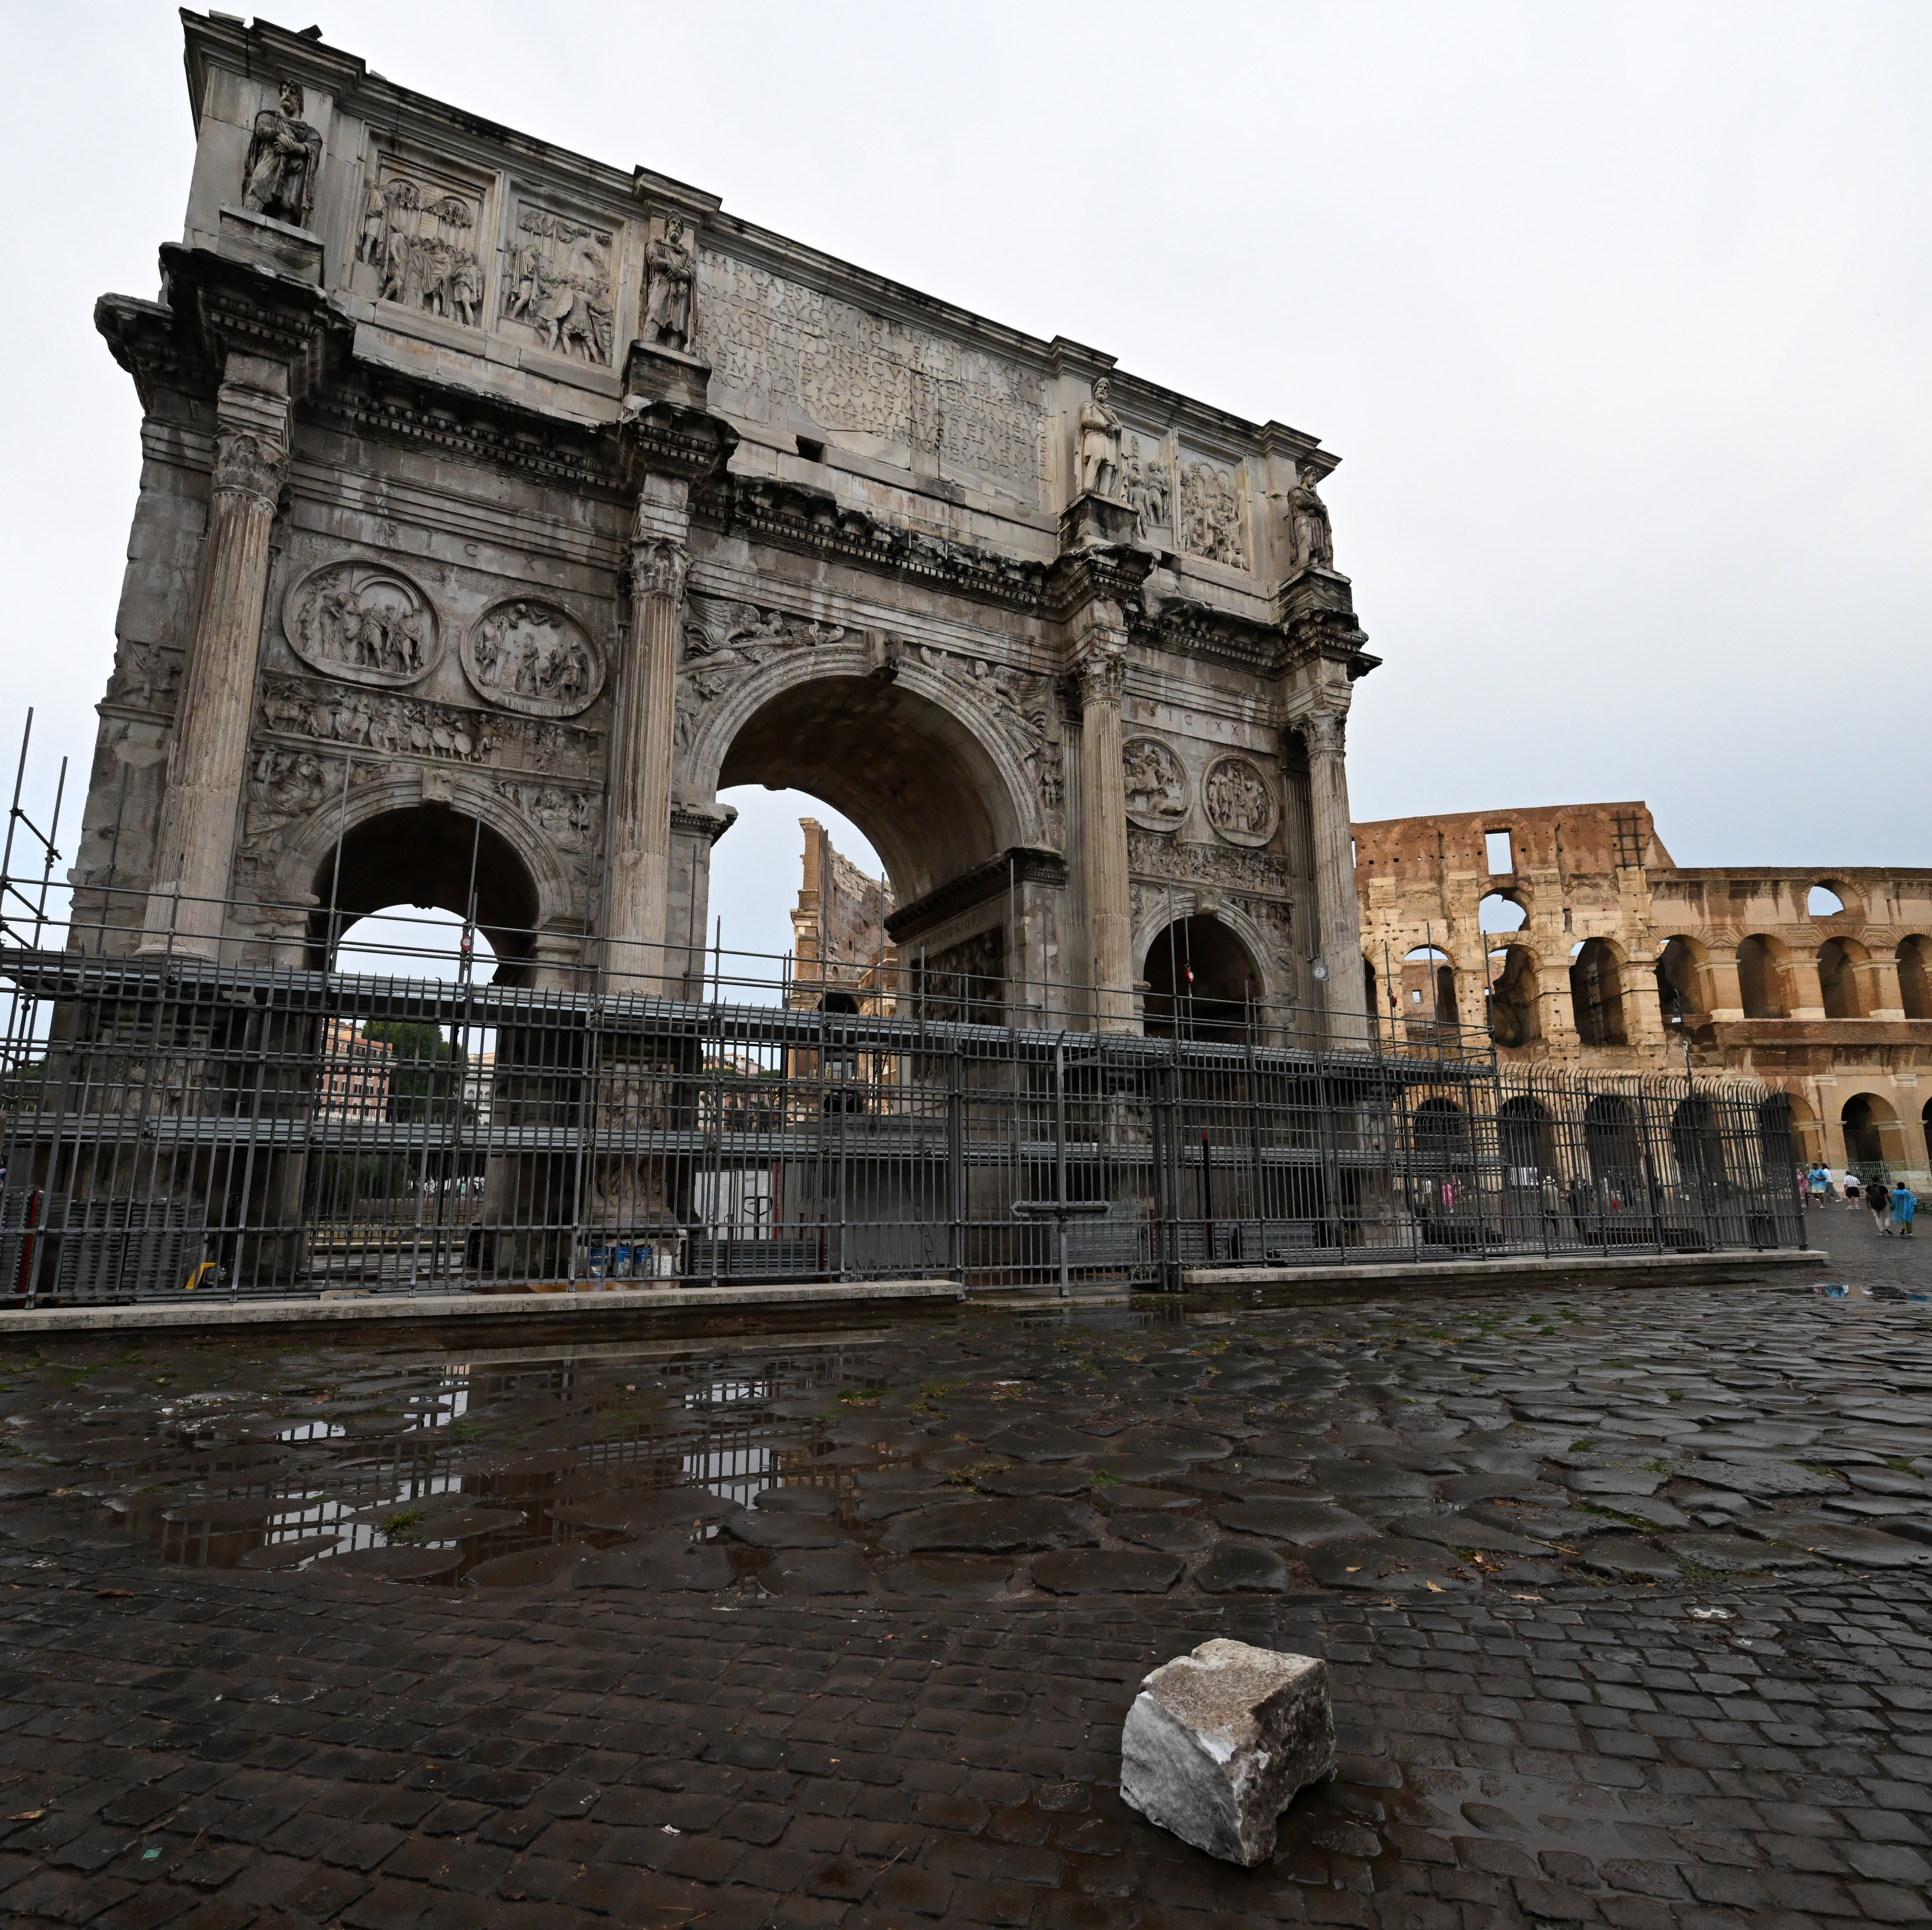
point(838, 929)
point(1626, 960)
point(498, 507)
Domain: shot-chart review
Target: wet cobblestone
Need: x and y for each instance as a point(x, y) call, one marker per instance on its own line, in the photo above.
point(860, 1734)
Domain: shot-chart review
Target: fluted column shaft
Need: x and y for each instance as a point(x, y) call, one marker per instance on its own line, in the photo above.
point(195, 845)
point(1103, 854)
point(1338, 918)
point(642, 744)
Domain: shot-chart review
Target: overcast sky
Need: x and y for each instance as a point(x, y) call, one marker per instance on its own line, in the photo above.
point(1617, 314)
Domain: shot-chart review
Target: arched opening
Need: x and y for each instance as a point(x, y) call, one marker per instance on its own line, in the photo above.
point(1925, 1129)
point(1527, 1134)
point(1760, 979)
point(1838, 974)
point(1597, 994)
point(1515, 1002)
point(1615, 1148)
point(908, 773)
point(1698, 1141)
point(429, 858)
point(1822, 902)
point(1500, 911)
point(1679, 985)
point(1915, 977)
point(1428, 997)
point(1873, 1145)
point(1202, 983)
point(1443, 1193)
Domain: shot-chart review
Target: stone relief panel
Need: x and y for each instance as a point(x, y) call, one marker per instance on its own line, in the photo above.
point(531, 656)
point(362, 622)
point(1147, 486)
point(393, 726)
point(557, 287)
point(1211, 514)
point(1150, 855)
point(1158, 792)
point(1241, 804)
point(568, 820)
point(422, 232)
point(886, 387)
point(146, 677)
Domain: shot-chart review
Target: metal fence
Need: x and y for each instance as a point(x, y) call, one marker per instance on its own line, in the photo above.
point(169, 1124)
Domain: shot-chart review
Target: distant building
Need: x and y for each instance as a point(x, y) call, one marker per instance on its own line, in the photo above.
point(843, 960)
point(354, 1084)
point(1819, 983)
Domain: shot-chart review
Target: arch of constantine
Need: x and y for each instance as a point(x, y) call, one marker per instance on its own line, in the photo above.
point(499, 506)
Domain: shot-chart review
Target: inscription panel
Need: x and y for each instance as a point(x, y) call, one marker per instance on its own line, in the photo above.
point(883, 387)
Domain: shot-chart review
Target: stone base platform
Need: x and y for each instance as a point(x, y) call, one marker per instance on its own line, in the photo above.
point(601, 1308)
point(1609, 1270)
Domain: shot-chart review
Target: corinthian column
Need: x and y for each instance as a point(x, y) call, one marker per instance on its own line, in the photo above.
point(195, 845)
point(1338, 918)
point(1103, 836)
point(637, 888)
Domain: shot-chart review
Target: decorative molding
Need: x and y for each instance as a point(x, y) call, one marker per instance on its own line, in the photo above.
point(1151, 856)
point(971, 889)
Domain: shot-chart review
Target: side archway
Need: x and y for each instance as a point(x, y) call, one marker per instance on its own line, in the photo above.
point(1203, 981)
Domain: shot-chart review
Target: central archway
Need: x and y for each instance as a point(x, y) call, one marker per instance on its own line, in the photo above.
point(909, 771)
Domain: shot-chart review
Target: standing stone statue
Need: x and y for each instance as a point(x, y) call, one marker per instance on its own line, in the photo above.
point(1099, 445)
point(672, 267)
point(1311, 540)
point(283, 153)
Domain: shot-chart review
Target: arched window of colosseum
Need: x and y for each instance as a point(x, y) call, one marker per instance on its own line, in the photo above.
point(1515, 1013)
point(1824, 902)
point(1678, 991)
point(1915, 977)
point(1873, 1142)
point(1499, 912)
point(1760, 980)
point(1925, 1129)
point(1597, 994)
point(1838, 962)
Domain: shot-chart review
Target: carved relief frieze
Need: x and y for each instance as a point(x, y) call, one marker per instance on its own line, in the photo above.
point(1211, 514)
point(1240, 802)
point(422, 233)
point(1157, 783)
point(531, 656)
point(390, 725)
point(878, 383)
point(568, 819)
point(363, 622)
point(146, 677)
point(557, 288)
point(1150, 855)
point(1148, 489)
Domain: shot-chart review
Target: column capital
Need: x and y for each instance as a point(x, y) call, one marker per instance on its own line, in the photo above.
point(659, 566)
point(1100, 672)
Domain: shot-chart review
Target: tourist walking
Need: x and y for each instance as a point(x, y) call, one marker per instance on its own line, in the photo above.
point(1904, 1207)
point(1879, 1200)
point(1820, 1183)
point(1852, 1185)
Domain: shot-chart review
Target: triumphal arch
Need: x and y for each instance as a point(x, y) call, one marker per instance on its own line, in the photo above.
point(498, 507)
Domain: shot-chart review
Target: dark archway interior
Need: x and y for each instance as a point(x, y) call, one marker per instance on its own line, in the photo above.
point(1915, 978)
point(1515, 1017)
point(1866, 1121)
point(1527, 1138)
point(1597, 995)
point(1760, 983)
point(1838, 979)
point(908, 773)
point(1677, 992)
point(1213, 1003)
point(425, 856)
point(1611, 1139)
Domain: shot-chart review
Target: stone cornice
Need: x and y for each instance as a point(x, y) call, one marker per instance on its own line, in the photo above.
point(1183, 627)
point(1020, 865)
point(1097, 575)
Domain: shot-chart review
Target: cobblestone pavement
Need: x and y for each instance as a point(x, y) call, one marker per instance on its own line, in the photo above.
point(1627, 1600)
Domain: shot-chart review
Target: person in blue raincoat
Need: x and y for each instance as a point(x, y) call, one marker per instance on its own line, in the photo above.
point(1904, 1205)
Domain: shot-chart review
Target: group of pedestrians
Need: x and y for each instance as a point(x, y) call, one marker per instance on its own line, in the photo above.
point(1893, 1210)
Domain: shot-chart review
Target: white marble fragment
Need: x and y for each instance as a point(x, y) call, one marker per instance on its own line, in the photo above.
point(1217, 1743)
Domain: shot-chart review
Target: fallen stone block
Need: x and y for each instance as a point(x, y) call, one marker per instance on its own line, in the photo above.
point(1218, 1742)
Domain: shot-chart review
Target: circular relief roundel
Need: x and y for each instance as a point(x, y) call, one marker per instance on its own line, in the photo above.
point(1241, 803)
point(531, 656)
point(363, 622)
point(1156, 785)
